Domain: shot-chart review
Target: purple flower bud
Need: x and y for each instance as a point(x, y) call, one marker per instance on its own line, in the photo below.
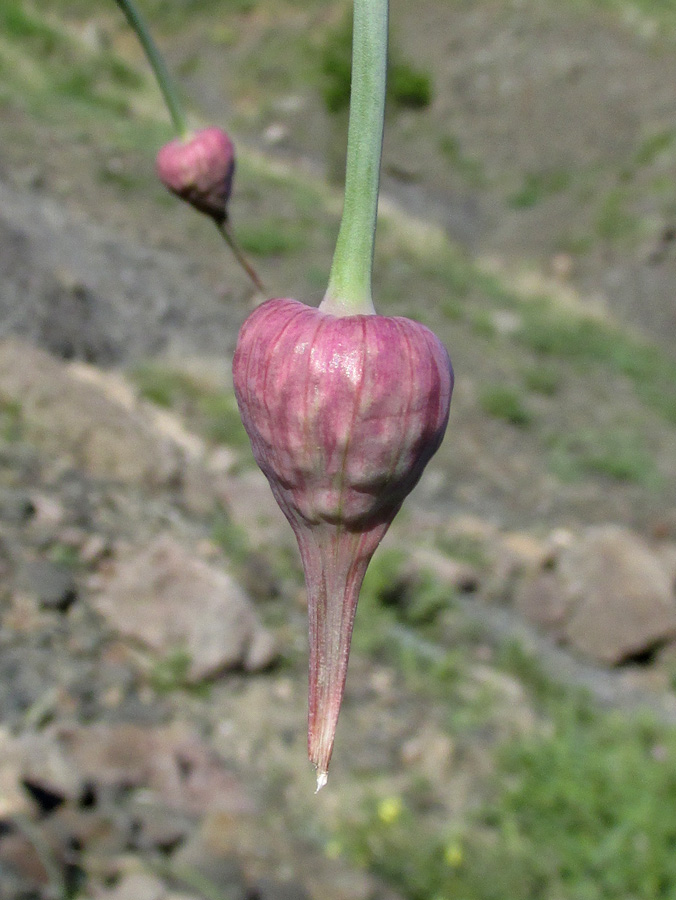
point(199, 170)
point(343, 413)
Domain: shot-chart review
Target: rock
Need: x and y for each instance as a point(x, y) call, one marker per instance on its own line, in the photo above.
point(181, 895)
point(45, 763)
point(103, 832)
point(52, 585)
point(261, 653)
point(197, 861)
point(13, 799)
point(667, 554)
point(178, 769)
point(170, 600)
point(110, 756)
point(461, 576)
point(267, 889)
point(250, 502)
point(189, 776)
point(157, 827)
point(64, 413)
point(94, 548)
point(621, 598)
point(19, 855)
point(524, 549)
point(135, 886)
point(430, 750)
point(258, 577)
point(16, 506)
point(197, 490)
point(541, 599)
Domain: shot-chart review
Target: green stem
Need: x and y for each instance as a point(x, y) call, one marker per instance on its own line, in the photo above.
point(157, 63)
point(349, 289)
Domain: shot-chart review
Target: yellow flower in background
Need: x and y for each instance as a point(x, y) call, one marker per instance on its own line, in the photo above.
point(453, 855)
point(389, 810)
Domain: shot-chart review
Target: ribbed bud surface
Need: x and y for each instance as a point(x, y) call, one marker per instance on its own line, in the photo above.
point(199, 170)
point(343, 413)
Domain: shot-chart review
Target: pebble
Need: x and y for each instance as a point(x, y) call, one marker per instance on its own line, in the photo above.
point(16, 506)
point(267, 889)
point(195, 860)
point(135, 886)
point(52, 584)
point(167, 598)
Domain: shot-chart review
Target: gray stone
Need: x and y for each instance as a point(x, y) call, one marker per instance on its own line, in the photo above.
point(53, 585)
point(267, 889)
point(621, 598)
point(177, 770)
point(540, 598)
point(135, 886)
point(20, 858)
point(261, 652)
point(16, 506)
point(156, 826)
point(171, 600)
point(65, 413)
point(197, 861)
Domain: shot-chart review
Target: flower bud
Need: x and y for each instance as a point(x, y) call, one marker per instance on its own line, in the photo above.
point(343, 413)
point(199, 170)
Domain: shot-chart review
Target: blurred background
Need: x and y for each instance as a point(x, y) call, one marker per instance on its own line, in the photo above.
point(508, 725)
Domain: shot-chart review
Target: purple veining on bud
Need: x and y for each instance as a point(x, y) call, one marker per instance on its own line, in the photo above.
point(199, 170)
point(343, 413)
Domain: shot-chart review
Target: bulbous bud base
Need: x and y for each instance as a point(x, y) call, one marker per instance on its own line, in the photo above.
point(343, 414)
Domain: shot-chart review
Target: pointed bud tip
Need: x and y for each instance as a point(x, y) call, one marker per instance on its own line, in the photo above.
point(322, 778)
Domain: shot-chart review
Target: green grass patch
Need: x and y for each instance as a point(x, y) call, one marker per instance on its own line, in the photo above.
point(470, 168)
point(615, 454)
point(613, 221)
point(542, 379)
point(550, 332)
point(537, 186)
point(654, 145)
point(578, 807)
point(211, 412)
point(171, 673)
point(483, 323)
point(230, 537)
point(18, 24)
point(272, 237)
point(504, 402)
point(584, 810)
point(11, 421)
point(51, 74)
point(464, 547)
point(395, 610)
point(407, 85)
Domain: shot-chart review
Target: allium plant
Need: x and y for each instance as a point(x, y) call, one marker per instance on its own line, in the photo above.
point(344, 408)
point(197, 166)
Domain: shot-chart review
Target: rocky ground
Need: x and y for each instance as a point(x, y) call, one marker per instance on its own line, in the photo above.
point(152, 663)
point(152, 629)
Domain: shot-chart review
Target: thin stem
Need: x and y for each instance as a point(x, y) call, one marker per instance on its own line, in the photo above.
point(349, 289)
point(224, 228)
point(158, 66)
point(173, 104)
